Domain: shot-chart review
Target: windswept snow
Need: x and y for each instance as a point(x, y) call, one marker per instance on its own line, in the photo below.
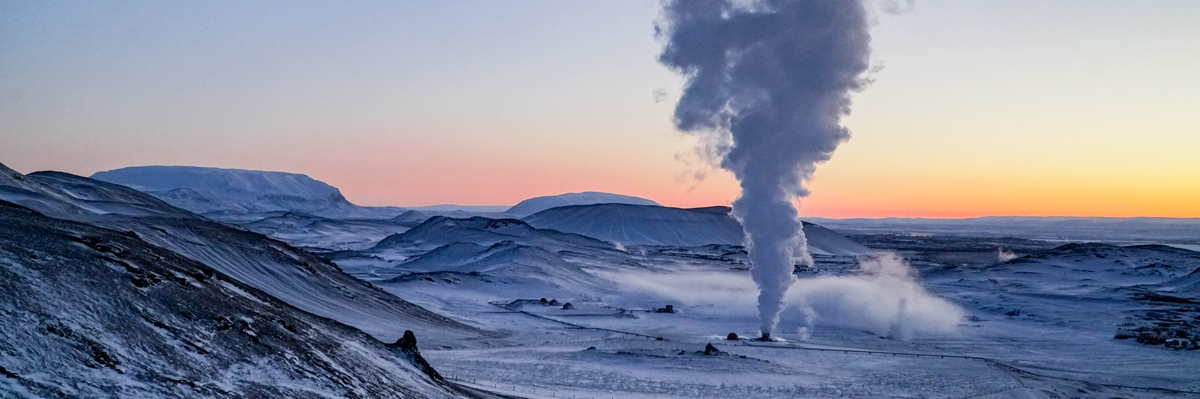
point(90, 312)
point(297, 277)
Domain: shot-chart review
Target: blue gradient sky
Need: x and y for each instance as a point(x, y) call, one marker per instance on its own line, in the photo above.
point(981, 107)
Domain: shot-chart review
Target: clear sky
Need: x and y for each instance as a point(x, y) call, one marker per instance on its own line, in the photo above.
point(1084, 108)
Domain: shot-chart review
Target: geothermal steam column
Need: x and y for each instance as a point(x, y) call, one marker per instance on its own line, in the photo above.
point(767, 85)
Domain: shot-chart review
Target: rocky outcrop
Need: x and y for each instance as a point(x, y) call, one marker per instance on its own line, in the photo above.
point(406, 347)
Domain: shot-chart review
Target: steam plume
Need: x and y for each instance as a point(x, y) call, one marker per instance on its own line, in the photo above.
point(767, 84)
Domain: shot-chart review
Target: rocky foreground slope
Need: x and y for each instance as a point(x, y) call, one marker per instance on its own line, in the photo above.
point(90, 312)
point(297, 277)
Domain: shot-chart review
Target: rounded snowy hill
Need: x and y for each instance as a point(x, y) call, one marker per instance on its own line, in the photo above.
point(657, 225)
point(91, 312)
point(538, 204)
point(442, 230)
point(214, 190)
point(301, 279)
point(506, 260)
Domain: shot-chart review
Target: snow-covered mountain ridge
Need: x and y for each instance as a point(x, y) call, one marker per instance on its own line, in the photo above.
point(658, 225)
point(90, 312)
point(538, 204)
point(215, 190)
point(297, 277)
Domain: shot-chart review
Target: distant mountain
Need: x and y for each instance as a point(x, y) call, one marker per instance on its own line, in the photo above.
point(410, 218)
point(538, 204)
point(91, 312)
point(213, 190)
point(658, 225)
point(474, 209)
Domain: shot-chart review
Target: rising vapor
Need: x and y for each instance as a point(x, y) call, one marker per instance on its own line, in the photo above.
point(767, 85)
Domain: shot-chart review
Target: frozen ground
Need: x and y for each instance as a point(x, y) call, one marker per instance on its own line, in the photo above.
point(895, 314)
point(1032, 326)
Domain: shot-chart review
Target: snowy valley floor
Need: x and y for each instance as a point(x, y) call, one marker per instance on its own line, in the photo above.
point(985, 360)
point(1054, 347)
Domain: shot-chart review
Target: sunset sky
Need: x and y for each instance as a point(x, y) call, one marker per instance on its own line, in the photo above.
point(1072, 108)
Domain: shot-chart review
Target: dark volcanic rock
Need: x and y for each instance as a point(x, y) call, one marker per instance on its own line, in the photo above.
point(406, 346)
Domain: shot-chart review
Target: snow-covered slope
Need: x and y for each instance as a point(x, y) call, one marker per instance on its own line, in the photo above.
point(488, 256)
point(295, 276)
point(441, 230)
point(79, 200)
point(213, 190)
point(658, 225)
point(90, 312)
point(324, 234)
point(410, 218)
point(1077, 268)
point(1085, 286)
point(538, 204)
point(506, 260)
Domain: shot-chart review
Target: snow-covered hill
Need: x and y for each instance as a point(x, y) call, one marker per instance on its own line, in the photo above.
point(538, 204)
point(217, 191)
point(1088, 287)
point(441, 230)
point(410, 218)
point(324, 234)
point(295, 276)
point(90, 312)
point(658, 225)
point(79, 201)
point(506, 260)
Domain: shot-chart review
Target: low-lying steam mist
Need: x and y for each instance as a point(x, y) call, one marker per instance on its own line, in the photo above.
point(767, 85)
point(883, 297)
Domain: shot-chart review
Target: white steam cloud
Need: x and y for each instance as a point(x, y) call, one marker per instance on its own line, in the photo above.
point(883, 298)
point(768, 82)
point(1005, 255)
